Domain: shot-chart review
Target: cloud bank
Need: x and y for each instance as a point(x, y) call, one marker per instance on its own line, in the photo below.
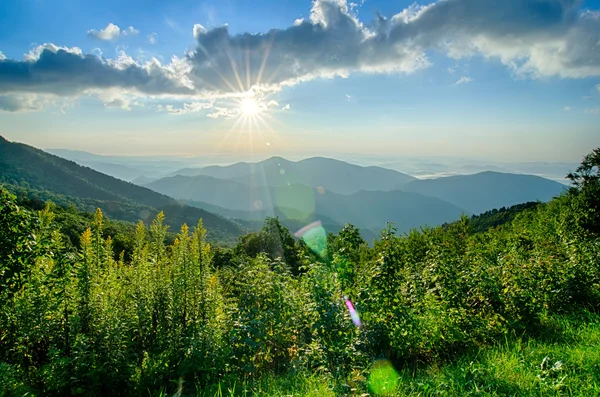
point(533, 38)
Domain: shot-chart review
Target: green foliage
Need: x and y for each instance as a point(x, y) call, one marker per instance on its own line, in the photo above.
point(171, 314)
point(498, 217)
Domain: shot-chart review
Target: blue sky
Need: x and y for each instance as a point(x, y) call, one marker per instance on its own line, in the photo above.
point(515, 80)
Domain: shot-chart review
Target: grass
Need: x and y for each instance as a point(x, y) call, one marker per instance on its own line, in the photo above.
point(563, 359)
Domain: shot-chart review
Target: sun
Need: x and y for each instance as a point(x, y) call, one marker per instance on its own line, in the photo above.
point(249, 107)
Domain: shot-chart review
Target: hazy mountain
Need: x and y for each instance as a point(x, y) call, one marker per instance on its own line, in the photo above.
point(365, 209)
point(221, 192)
point(142, 180)
point(487, 190)
point(127, 168)
point(372, 209)
point(65, 182)
point(332, 175)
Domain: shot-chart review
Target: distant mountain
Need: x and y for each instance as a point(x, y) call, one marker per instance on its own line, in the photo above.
point(481, 192)
point(332, 175)
point(142, 180)
point(127, 168)
point(26, 168)
point(372, 209)
point(365, 209)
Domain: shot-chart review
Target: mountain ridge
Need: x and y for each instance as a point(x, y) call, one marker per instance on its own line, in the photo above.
point(52, 177)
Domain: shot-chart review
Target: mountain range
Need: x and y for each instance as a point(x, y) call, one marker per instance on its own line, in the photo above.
point(232, 199)
point(365, 196)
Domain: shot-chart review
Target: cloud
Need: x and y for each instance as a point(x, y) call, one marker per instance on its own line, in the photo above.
point(112, 32)
point(130, 31)
point(192, 107)
point(2, 56)
point(533, 38)
point(198, 30)
point(464, 80)
point(223, 112)
point(65, 72)
point(286, 107)
point(451, 71)
point(567, 108)
point(586, 97)
point(598, 87)
point(152, 38)
point(22, 103)
point(592, 110)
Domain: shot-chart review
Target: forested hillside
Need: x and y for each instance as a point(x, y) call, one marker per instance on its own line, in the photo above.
point(326, 313)
point(33, 172)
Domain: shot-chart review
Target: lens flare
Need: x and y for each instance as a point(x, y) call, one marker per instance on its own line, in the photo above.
point(315, 238)
point(353, 313)
point(383, 378)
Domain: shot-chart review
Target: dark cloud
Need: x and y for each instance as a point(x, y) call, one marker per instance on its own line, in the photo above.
point(63, 72)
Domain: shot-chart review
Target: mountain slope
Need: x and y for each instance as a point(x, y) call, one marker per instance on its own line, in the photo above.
point(222, 192)
point(481, 192)
point(51, 177)
point(333, 175)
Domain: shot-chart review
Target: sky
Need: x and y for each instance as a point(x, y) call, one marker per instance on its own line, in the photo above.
point(511, 80)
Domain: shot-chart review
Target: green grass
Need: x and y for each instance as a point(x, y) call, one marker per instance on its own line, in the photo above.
point(569, 347)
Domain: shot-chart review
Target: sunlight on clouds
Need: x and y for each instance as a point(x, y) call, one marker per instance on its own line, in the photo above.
point(112, 32)
point(530, 40)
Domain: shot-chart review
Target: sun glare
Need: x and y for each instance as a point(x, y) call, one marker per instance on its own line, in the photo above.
point(249, 107)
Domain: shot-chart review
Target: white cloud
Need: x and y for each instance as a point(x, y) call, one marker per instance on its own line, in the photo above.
point(464, 80)
point(223, 112)
point(198, 30)
point(152, 38)
point(598, 87)
point(2, 56)
point(286, 107)
point(567, 108)
point(592, 110)
point(586, 97)
point(112, 32)
point(298, 21)
point(192, 107)
point(451, 71)
point(130, 31)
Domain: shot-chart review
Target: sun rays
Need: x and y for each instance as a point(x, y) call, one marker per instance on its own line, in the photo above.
point(250, 108)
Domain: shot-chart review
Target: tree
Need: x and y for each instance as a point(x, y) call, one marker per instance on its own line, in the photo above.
point(586, 181)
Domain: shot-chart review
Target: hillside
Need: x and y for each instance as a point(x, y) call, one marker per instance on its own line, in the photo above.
point(333, 175)
point(481, 192)
point(50, 177)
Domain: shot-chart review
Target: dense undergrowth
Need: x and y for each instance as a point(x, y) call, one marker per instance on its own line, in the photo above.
point(449, 310)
